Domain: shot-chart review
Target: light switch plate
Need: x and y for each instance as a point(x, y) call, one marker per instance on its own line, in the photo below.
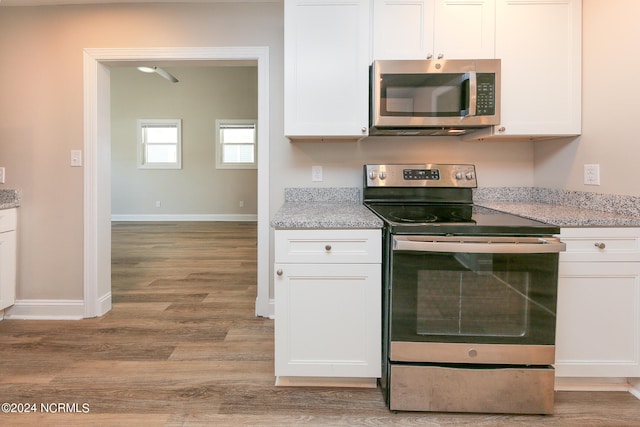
point(76, 158)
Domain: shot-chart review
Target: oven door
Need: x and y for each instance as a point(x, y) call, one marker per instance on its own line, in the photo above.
point(473, 299)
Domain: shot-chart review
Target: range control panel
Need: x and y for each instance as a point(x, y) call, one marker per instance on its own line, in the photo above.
point(420, 175)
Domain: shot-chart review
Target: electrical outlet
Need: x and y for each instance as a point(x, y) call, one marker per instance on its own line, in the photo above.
point(1, 175)
point(316, 173)
point(158, 203)
point(592, 174)
point(241, 203)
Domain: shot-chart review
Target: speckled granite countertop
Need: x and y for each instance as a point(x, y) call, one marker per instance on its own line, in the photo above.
point(318, 208)
point(309, 208)
point(561, 207)
point(9, 199)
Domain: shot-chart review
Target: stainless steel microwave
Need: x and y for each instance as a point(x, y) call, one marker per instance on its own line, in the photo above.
point(434, 97)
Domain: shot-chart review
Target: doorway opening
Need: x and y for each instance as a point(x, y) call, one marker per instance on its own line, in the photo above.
point(97, 172)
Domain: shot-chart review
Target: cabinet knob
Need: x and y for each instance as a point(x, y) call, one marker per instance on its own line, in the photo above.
point(429, 56)
point(363, 129)
point(600, 245)
point(279, 272)
point(502, 129)
point(327, 247)
point(440, 55)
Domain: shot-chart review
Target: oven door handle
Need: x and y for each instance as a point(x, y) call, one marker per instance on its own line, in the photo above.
point(479, 244)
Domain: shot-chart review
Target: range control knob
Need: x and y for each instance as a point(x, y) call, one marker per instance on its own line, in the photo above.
point(469, 175)
point(459, 175)
point(382, 175)
point(372, 174)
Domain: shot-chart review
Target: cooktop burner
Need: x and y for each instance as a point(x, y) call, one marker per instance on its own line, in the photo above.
point(425, 214)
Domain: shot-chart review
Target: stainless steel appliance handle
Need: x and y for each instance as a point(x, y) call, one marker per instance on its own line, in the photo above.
point(478, 244)
point(473, 92)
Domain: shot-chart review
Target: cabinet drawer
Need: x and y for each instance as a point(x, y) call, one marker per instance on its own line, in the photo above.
point(8, 219)
point(328, 246)
point(601, 244)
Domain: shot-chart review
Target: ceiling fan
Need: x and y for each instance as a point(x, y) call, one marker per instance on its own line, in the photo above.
point(161, 72)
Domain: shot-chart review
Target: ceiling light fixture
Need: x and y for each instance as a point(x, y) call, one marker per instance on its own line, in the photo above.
point(167, 75)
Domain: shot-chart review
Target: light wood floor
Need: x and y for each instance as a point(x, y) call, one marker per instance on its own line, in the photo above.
point(182, 347)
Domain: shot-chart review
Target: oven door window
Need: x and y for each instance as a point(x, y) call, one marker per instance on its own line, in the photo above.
point(474, 297)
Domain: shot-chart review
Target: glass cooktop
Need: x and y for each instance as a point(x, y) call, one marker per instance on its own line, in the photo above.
point(455, 218)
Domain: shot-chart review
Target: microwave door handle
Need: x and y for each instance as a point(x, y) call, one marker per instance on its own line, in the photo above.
point(539, 245)
point(473, 92)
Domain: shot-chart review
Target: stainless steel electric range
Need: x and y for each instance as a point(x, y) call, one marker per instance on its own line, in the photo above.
point(469, 295)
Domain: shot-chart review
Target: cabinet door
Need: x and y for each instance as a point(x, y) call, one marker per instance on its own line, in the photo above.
point(326, 50)
point(7, 269)
point(598, 319)
point(433, 29)
point(328, 320)
point(464, 29)
point(539, 43)
point(403, 29)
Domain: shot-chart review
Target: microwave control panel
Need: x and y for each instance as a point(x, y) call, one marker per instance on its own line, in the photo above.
point(486, 94)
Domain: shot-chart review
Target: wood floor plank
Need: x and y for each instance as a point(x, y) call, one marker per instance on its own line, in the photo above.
point(182, 347)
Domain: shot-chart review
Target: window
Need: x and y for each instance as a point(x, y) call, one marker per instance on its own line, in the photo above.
point(159, 144)
point(236, 144)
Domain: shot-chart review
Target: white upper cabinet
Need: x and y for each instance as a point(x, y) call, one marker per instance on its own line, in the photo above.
point(539, 43)
point(433, 29)
point(326, 59)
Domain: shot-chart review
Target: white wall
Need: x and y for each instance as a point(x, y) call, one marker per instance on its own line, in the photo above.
point(41, 110)
point(610, 62)
point(202, 95)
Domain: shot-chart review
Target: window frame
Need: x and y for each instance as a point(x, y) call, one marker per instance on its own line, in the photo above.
point(142, 143)
point(220, 123)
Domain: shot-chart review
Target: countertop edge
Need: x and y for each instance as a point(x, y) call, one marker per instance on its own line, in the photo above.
point(325, 215)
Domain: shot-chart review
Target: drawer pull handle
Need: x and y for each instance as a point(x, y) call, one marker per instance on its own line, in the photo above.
point(279, 272)
point(327, 247)
point(600, 245)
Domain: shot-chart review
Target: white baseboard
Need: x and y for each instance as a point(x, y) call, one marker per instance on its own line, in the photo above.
point(46, 310)
point(635, 387)
point(104, 304)
point(189, 217)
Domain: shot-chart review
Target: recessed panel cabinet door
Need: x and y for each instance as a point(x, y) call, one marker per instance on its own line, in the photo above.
point(7, 269)
point(328, 320)
point(433, 29)
point(598, 323)
point(326, 48)
point(539, 43)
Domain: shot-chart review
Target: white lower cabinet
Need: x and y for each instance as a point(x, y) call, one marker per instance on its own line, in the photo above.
point(598, 317)
point(8, 220)
point(327, 305)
